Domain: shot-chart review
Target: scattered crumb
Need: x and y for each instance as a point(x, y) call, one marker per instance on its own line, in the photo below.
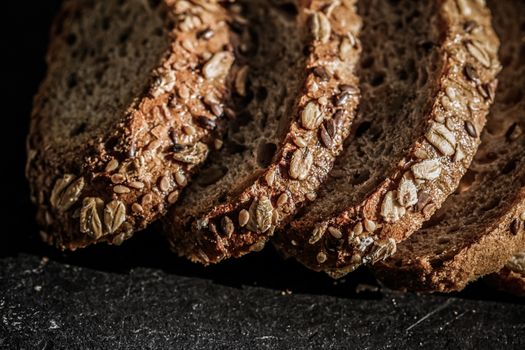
point(363, 288)
point(37, 288)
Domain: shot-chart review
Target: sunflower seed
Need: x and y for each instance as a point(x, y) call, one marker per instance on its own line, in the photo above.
point(407, 192)
point(321, 257)
point(217, 143)
point(350, 89)
point(205, 34)
point(478, 52)
point(112, 165)
point(173, 196)
point(390, 211)
point(240, 80)
point(114, 215)
point(270, 177)
point(216, 109)
point(206, 123)
point(164, 183)
point(218, 66)
point(459, 155)
point(469, 26)
point(283, 198)
point(120, 189)
point(358, 229)
point(227, 226)
point(66, 192)
point(326, 139)
point(342, 99)
point(383, 250)
point(118, 178)
point(180, 179)
point(311, 117)
point(513, 132)
point(261, 211)
point(137, 208)
point(311, 196)
point(147, 199)
point(370, 226)
point(300, 164)
point(451, 92)
point(244, 217)
point(421, 153)
point(335, 232)
point(441, 138)
point(471, 73)
point(471, 129)
point(428, 169)
point(136, 184)
point(345, 49)
point(317, 234)
point(515, 226)
point(320, 27)
point(192, 155)
point(522, 216)
point(299, 142)
point(464, 7)
point(189, 130)
point(321, 73)
point(90, 215)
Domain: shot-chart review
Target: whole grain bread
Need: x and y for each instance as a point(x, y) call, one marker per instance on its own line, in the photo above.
point(130, 106)
point(511, 278)
point(295, 109)
point(427, 80)
point(481, 226)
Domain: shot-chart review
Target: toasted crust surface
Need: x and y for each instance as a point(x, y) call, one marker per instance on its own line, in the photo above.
point(360, 216)
point(481, 226)
point(132, 101)
point(311, 117)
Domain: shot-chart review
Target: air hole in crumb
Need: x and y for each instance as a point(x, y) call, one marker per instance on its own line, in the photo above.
point(81, 128)
point(367, 62)
point(72, 80)
point(124, 36)
point(509, 167)
point(71, 39)
point(223, 197)
point(105, 23)
point(262, 93)
point(362, 128)
point(402, 75)
point(377, 79)
point(289, 9)
point(493, 203)
point(360, 177)
point(265, 153)
point(153, 3)
point(443, 240)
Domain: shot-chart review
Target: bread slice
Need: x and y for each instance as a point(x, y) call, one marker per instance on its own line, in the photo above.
point(479, 227)
point(511, 278)
point(294, 113)
point(132, 100)
point(427, 80)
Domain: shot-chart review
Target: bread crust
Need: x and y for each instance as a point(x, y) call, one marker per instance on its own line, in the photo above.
point(267, 199)
point(119, 180)
point(370, 229)
point(482, 226)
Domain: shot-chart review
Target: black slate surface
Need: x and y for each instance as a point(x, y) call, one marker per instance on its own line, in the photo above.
point(140, 296)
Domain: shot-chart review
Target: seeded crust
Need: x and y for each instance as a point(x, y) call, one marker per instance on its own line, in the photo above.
point(481, 226)
point(427, 81)
point(511, 278)
point(132, 100)
point(296, 111)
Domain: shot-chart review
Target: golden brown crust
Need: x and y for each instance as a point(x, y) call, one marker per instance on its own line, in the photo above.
point(126, 174)
point(305, 152)
point(369, 230)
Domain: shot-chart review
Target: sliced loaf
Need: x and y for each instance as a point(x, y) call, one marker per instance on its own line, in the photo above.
point(427, 80)
point(481, 226)
point(129, 107)
point(295, 109)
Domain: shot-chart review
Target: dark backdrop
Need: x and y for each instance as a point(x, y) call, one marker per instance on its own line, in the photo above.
point(140, 295)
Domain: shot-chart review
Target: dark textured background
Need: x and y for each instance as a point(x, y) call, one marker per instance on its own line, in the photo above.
point(140, 296)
